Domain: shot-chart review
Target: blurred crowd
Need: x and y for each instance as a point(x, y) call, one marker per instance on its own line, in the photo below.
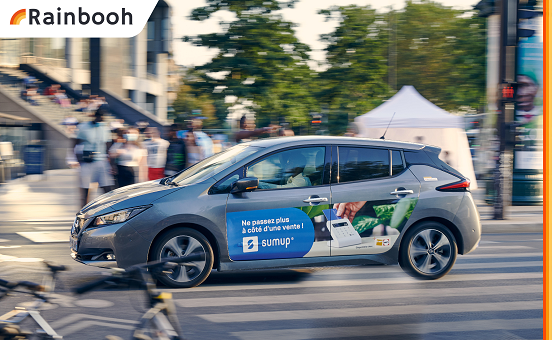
point(115, 155)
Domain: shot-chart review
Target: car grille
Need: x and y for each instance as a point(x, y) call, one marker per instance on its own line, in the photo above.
point(77, 226)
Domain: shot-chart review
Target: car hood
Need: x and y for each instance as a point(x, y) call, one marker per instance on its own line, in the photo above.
point(127, 197)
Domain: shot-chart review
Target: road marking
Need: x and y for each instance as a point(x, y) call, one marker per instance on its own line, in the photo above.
point(485, 242)
point(373, 311)
point(369, 270)
point(93, 303)
point(500, 256)
point(392, 329)
point(67, 228)
point(9, 247)
point(503, 247)
point(4, 240)
point(354, 296)
point(364, 282)
point(54, 223)
point(45, 236)
point(9, 258)
point(75, 318)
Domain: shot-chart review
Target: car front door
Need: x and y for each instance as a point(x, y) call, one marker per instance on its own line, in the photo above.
point(283, 217)
point(373, 194)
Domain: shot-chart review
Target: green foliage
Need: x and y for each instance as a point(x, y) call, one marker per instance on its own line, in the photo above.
point(314, 210)
point(363, 223)
point(259, 59)
point(441, 52)
point(403, 210)
point(356, 80)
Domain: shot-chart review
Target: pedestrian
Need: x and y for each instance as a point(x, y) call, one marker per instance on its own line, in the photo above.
point(193, 149)
point(247, 130)
point(177, 156)
point(92, 139)
point(130, 158)
point(157, 153)
point(202, 139)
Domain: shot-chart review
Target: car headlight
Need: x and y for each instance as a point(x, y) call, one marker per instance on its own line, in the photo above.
point(118, 216)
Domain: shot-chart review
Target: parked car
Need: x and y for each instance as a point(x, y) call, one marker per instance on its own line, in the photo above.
point(289, 202)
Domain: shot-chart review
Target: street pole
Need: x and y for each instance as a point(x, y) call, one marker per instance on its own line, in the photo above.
point(506, 106)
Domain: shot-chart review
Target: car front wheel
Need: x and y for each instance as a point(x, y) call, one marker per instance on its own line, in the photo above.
point(182, 242)
point(428, 251)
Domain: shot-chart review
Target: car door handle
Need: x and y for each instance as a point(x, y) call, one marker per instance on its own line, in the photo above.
point(401, 192)
point(316, 200)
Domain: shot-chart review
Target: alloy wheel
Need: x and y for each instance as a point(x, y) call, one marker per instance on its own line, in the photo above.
point(180, 246)
point(430, 251)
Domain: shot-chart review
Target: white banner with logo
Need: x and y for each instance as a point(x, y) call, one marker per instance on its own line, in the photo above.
point(71, 19)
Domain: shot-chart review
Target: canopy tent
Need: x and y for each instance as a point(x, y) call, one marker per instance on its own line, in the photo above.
point(418, 120)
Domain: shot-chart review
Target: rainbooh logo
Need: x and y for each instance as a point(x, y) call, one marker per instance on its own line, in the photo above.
point(71, 18)
point(18, 16)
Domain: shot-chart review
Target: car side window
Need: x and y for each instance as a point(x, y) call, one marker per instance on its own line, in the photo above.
point(360, 163)
point(225, 185)
point(302, 167)
point(397, 165)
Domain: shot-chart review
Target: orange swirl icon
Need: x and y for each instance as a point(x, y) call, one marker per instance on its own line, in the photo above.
point(18, 16)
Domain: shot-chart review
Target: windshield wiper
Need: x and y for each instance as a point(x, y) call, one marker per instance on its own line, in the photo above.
point(172, 183)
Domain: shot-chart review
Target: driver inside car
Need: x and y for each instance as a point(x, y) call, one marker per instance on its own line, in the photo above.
point(292, 165)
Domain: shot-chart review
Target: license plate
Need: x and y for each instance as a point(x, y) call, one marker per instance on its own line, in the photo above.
point(73, 243)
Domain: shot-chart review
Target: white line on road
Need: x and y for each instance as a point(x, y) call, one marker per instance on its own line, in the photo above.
point(369, 270)
point(364, 282)
point(503, 247)
point(500, 256)
point(373, 311)
point(392, 329)
point(45, 236)
point(354, 296)
point(67, 228)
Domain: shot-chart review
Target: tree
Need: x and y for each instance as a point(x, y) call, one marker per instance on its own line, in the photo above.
point(259, 60)
point(441, 51)
point(356, 79)
point(187, 101)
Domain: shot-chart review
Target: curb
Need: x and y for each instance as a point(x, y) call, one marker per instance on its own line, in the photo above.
point(495, 227)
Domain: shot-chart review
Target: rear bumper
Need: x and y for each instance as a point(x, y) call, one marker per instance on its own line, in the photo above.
point(468, 223)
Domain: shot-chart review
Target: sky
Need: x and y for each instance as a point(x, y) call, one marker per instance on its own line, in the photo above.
point(304, 14)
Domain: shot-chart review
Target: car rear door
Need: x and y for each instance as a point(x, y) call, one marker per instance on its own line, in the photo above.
point(374, 192)
point(283, 218)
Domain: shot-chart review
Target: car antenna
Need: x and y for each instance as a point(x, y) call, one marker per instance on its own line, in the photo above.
point(383, 137)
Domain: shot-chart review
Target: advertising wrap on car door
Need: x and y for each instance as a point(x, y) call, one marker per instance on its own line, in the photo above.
point(349, 228)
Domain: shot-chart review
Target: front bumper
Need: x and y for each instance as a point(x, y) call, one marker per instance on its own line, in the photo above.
point(111, 246)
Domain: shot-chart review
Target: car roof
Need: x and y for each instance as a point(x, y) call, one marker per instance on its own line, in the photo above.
point(280, 141)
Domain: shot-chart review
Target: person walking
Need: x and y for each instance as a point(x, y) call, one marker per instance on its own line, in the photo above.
point(177, 156)
point(91, 141)
point(130, 158)
point(157, 153)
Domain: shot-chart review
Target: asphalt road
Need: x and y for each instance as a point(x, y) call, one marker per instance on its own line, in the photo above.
point(493, 293)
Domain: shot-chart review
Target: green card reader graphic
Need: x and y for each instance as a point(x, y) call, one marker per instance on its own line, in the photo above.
point(343, 232)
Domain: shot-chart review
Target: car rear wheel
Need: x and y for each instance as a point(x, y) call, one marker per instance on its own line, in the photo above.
point(428, 251)
point(182, 242)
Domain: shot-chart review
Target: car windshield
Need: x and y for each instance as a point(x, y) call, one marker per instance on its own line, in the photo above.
point(214, 164)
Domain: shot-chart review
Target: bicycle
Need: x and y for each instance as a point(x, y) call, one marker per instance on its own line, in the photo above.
point(160, 320)
point(9, 322)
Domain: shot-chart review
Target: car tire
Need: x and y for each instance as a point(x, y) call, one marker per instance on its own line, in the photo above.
point(428, 251)
point(182, 242)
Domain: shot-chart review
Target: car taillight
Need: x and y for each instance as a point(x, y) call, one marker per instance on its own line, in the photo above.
point(463, 185)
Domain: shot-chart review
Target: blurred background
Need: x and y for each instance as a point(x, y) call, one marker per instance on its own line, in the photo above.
point(460, 74)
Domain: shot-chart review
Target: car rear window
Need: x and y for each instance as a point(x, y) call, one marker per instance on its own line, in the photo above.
point(440, 163)
point(430, 157)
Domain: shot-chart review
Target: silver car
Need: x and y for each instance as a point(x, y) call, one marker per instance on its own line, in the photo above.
point(289, 202)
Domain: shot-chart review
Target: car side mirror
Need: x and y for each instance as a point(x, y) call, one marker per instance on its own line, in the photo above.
point(246, 184)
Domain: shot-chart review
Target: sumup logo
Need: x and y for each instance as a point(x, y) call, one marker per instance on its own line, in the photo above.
point(80, 18)
point(250, 244)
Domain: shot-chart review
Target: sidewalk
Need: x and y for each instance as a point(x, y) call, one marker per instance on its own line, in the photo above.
point(519, 219)
point(55, 197)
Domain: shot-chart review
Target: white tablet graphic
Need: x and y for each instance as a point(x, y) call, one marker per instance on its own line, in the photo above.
point(343, 232)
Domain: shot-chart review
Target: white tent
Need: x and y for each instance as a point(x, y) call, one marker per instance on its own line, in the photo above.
point(418, 120)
